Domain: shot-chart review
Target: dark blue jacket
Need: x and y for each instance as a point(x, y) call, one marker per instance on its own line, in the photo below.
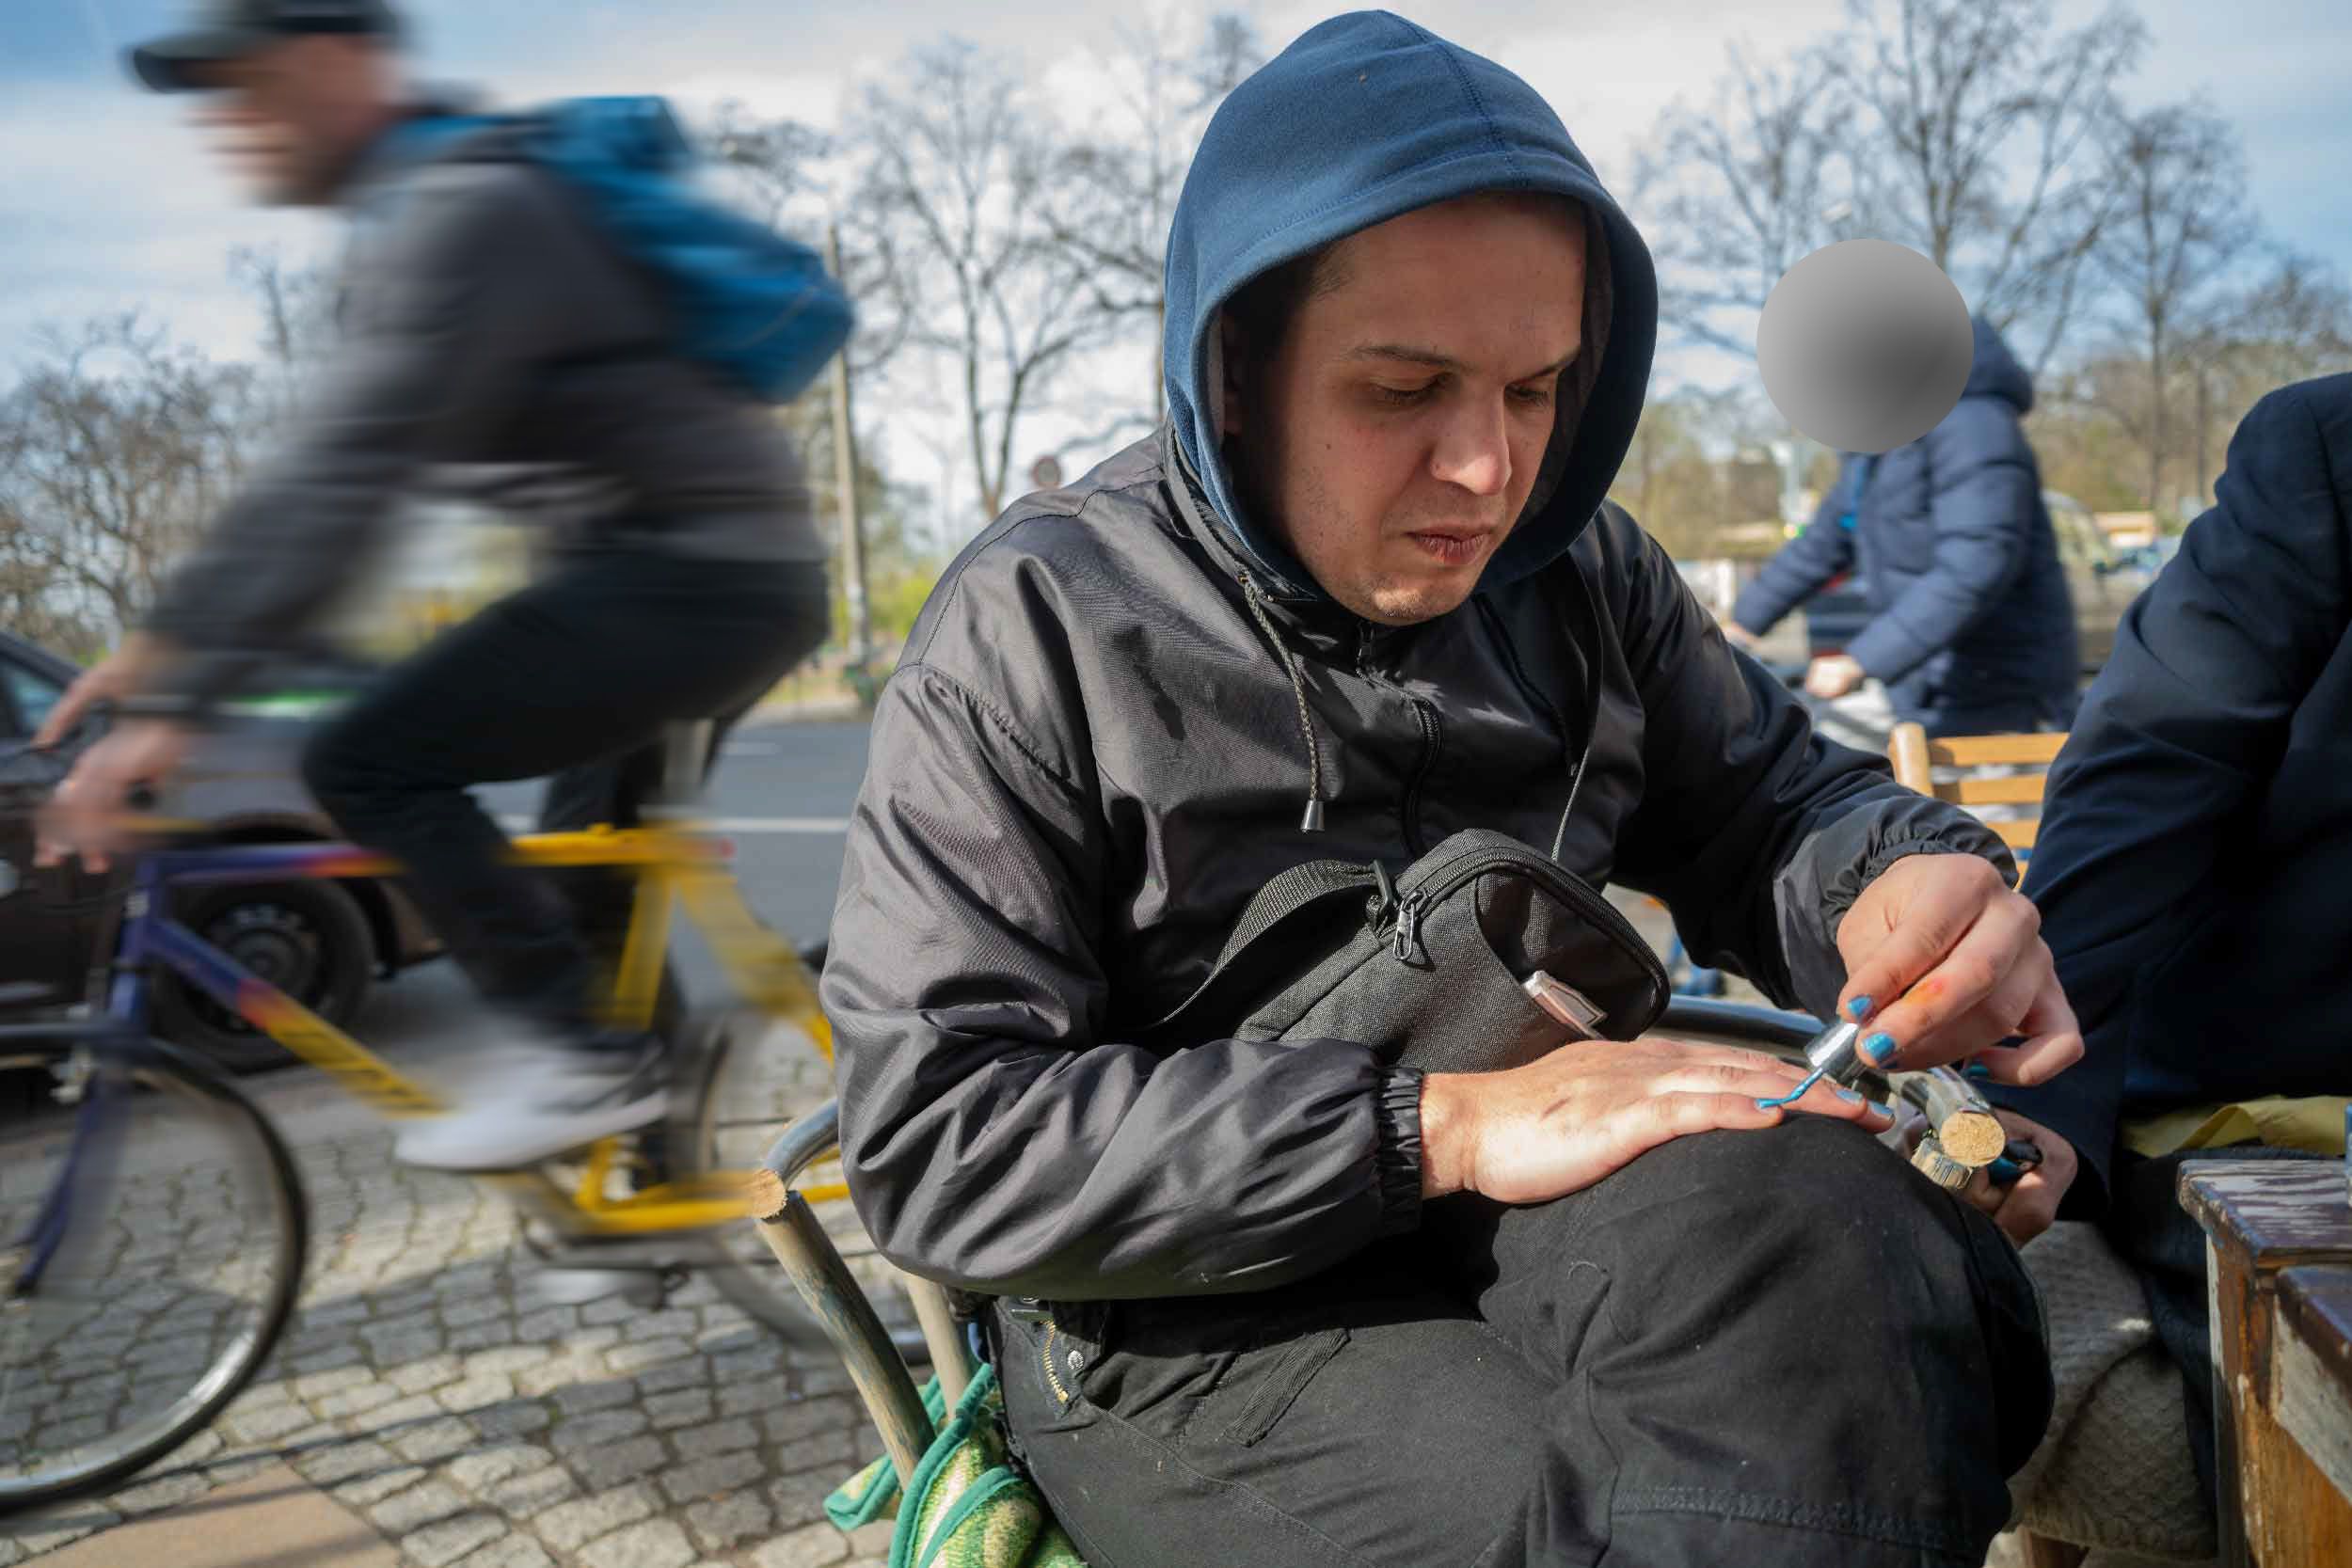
point(1971, 628)
point(2194, 870)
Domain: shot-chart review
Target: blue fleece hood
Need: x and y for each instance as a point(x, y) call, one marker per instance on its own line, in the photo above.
point(1364, 118)
point(1996, 372)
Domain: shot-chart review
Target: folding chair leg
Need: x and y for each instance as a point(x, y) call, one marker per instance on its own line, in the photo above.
point(799, 1244)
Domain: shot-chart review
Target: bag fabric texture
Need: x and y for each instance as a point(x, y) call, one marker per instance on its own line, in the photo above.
point(750, 302)
point(1429, 967)
point(971, 1507)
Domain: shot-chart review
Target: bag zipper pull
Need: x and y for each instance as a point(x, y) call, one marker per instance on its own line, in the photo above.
point(1407, 926)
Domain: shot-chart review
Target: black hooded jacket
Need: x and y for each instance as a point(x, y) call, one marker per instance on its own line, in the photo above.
point(1092, 754)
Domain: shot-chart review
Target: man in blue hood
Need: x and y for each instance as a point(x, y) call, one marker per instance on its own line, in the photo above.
point(1287, 1301)
point(1971, 628)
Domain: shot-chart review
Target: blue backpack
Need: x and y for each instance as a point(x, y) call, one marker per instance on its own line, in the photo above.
point(757, 307)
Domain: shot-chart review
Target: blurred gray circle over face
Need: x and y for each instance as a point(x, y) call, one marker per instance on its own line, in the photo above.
point(1864, 345)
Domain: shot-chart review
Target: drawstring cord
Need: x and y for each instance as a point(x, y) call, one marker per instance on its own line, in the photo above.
point(1592, 704)
point(1313, 821)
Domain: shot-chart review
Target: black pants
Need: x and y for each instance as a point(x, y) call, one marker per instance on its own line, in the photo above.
point(577, 672)
point(1780, 1347)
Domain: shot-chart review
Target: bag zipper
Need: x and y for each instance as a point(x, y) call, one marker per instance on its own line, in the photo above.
point(1476, 860)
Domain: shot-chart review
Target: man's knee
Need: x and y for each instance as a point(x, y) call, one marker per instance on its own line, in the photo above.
point(1814, 1217)
point(347, 771)
point(1810, 1175)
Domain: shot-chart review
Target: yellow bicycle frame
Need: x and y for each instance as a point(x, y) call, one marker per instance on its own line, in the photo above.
point(674, 868)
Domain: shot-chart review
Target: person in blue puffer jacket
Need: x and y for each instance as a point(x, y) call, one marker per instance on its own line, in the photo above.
point(1971, 629)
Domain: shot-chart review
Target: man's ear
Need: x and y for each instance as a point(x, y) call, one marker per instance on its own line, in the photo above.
point(1233, 354)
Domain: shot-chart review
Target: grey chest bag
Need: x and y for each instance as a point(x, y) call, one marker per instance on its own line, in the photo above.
point(1481, 954)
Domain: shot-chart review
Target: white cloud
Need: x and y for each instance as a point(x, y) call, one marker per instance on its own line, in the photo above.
point(107, 204)
point(106, 201)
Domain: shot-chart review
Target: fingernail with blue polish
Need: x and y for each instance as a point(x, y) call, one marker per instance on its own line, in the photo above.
point(1849, 1097)
point(1880, 1049)
point(1860, 1007)
point(1978, 1070)
point(2003, 1171)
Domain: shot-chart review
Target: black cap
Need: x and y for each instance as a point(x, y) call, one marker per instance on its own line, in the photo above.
point(228, 28)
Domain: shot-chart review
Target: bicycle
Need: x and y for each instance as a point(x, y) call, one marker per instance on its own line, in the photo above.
point(134, 1306)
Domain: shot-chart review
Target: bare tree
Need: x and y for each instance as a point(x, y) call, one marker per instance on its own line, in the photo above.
point(1976, 136)
point(2182, 223)
point(1746, 189)
point(1111, 195)
point(298, 306)
point(953, 156)
point(2289, 323)
point(779, 162)
point(116, 448)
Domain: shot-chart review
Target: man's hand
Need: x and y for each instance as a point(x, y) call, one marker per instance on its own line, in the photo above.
point(2025, 1208)
point(1565, 1120)
point(1832, 675)
point(85, 815)
point(1943, 962)
point(111, 679)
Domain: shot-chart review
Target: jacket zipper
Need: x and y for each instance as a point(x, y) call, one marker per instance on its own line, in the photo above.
point(1432, 742)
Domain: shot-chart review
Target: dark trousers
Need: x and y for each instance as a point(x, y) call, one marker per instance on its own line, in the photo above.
point(1777, 1347)
point(577, 672)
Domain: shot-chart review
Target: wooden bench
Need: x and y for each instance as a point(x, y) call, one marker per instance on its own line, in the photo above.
point(1917, 758)
point(2278, 1263)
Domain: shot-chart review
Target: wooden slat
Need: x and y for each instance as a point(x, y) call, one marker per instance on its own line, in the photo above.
point(2310, 1368)
point(1976, 750)
point(1907, 748)
point(2017, 835)
point(2284, 1212)
point(2020, 789)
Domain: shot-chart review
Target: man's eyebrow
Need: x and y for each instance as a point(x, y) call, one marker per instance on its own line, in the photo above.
point(1437, 361)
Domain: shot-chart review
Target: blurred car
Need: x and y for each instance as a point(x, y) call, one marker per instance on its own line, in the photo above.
point(2154, 557)
point(322, 942)
point(2101, 579)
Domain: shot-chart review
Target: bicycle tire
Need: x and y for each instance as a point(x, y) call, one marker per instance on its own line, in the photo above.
point(712, 1140)
point(157, 1064)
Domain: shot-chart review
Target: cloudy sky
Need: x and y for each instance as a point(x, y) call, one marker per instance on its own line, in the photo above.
point(106, 202)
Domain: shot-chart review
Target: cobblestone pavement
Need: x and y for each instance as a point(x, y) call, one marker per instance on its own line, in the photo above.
point(424, 1386)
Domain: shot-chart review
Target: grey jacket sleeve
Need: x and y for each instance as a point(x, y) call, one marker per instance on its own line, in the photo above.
point(1983, 508)
point(993, 1136)
point(443, 316)
point(1759, 833)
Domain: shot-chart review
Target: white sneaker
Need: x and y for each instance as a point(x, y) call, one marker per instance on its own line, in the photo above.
point(536, 1099)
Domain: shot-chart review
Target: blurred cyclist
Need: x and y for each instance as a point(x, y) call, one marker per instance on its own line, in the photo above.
point(484, 320)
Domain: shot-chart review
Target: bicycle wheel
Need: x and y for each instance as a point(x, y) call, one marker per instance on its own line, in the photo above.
point(759, 1074)
point(155, 1230)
